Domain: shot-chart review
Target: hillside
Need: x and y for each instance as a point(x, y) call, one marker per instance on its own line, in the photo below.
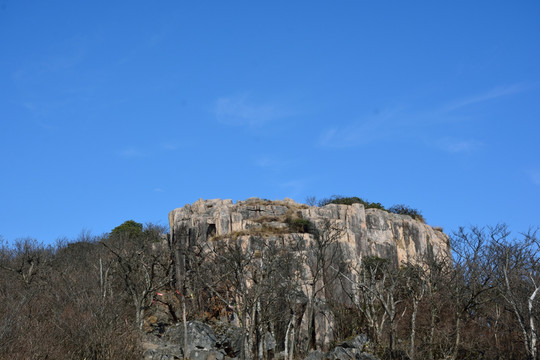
point(260, 279)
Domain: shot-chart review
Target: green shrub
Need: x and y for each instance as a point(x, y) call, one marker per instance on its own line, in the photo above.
point(130, 228)
point(299, 225)
point(407, 210)
point(343, 200)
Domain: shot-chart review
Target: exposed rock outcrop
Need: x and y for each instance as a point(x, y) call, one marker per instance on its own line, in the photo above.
point(357, 232)
point(204, 344)
point(365, 231)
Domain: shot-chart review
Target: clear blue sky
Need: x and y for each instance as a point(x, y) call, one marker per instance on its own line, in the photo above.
point(117, 110)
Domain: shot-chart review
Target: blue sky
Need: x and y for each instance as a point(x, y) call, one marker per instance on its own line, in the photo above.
point(122, 110)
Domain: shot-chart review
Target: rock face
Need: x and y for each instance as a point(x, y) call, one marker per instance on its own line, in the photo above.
point(201, 340)
point(370, 232)
point(359, 232)
point(203, 344)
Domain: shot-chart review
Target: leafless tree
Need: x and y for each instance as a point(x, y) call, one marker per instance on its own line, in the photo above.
point(472, 278)
point(323, 255)
point(518, 269)
point(26, 259)
point(143, 263)
point(415, 287)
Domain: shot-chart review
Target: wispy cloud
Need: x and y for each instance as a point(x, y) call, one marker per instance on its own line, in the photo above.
point(271, 163)
point(491, 94)
point(458, 145)
point(368, 130)
point(293, 187)
point(131, 152)
point(169, 146)
point(240, 110)
point(408, 123)
point(534, 175)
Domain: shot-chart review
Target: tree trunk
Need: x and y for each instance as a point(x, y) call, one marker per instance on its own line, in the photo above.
point(533, 337)
point(288, 335)
point(433, 318)
point(184, 353)
point(244, 335)
point(413, 329)
point(458, 337)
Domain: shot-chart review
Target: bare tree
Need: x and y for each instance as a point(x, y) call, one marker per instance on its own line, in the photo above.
point(323, 253)
point(518, 269)
point(439, 272)
point(142, 262)
point(473, 276)
point(415, 286)
point(26, 259)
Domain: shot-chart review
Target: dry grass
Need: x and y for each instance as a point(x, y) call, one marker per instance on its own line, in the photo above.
point(265, 202)
point(267, 219)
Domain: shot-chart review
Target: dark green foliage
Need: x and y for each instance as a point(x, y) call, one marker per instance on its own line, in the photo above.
point(400, 209)
point(406, 210)
point(343, 200)
point(299, 225)
point(130, 228)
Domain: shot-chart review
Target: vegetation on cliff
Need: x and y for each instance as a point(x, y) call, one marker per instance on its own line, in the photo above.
point(400, 209)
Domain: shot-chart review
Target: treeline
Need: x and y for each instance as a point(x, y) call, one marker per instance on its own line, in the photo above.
point(94, 298)
point(81, 299)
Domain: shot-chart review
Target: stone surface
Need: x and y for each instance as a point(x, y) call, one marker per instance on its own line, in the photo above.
point(349, 350)
point(358, 342)
point(202, 343)
point(229, 338)
point(365, 231)
point(362, 232)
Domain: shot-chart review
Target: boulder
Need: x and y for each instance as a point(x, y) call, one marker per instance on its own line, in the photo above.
point(202, 343)
point(359, 342)
point(229, 338)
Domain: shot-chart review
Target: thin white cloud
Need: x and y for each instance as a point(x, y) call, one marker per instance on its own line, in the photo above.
point(271, 163)
point(169, 146)
point(241, 111)
point(494, 93)
point(131, 152)
point(405, 123)
point(534, 175)
point(458, 145)
point(373, 128)
point(293, 187)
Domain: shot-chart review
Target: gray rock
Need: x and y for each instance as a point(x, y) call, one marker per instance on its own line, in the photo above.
point(362, 232)
point(340, 353)
point(163, 352)
point(202, 343)
point(315, 355)
point(358, 342)
point(366, 356)
point(229, 338)
point(366, 231)
point(199, 354)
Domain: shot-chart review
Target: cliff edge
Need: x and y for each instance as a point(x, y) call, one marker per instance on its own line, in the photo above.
point(364, 232)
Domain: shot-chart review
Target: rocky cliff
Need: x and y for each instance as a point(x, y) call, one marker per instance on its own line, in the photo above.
point(363, 232)
point(320, 279)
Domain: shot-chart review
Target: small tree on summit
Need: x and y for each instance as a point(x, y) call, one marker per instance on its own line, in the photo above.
point(143, 265)
point(402, 209)
point(130, 228)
